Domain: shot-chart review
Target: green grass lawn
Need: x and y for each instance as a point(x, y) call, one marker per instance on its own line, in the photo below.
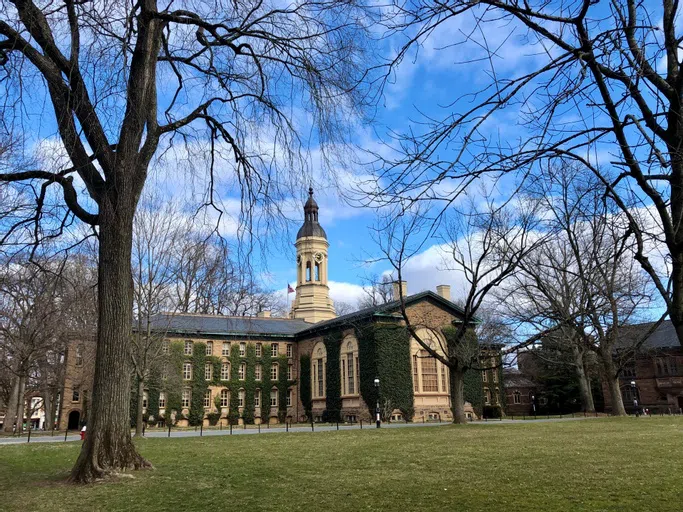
point(603, 464)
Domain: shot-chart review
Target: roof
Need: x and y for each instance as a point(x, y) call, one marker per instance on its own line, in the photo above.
point(663, 337)
point(187, 323)
point(183, 323)
point(514, 379)
point(310, 226)
point(382, 309)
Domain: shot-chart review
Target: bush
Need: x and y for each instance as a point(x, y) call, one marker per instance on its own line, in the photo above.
point(213, 418)
point(492, 411)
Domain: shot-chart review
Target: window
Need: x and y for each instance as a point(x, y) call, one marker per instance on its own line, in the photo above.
point(188, 348)
point(495, 376)
point(317, 271)
point(273, 371)
point(225, 398)
point(273, 397)
point(243, 349)
point(164, 347)
point(349, 367)
point(496, 396)
point(79, 355)
point(273, 349)
point(430, 381)
point(207, 399)
point(145, 398)
point(484, 376)
point(487, 396)
point(257, 398)
point(289, 350)
point(289, 398)
point(240, 398)
point(629, 370)
point(290, 372)
point(209, 348)
point(344, 381)
point(208, 371)
point(321, 381)
point(444, 378)
point(185, 401)
point(187, 371)
point(225, 350)
point(308, 271)
point(517, 397)
point(225, 371)
point(259, 350)
point(416, 381)
point(258, 371)
point(242, 371)
point(76, 396)
point(351, 383)
point(318, 371)
point(162, 401)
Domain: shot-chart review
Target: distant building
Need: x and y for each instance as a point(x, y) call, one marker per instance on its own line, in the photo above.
point(520, 393)
point(310, 365)
point(656, 368)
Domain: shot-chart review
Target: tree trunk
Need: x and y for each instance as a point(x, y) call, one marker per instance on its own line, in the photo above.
point(138, 416)
point(108, 446)
point(20, 404)
point(11, 410)
point(612, 380)
point(48, 407)
point(457, 392)
point(584, 382)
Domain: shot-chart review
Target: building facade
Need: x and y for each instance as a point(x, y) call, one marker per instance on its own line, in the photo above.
point(310, 366)
point(652, 378)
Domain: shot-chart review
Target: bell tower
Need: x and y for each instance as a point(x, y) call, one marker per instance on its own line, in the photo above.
point(312, 302)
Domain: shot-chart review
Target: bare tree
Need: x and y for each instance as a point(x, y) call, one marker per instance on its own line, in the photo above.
point(486, 244)
point(125, 80)
point(377, 290)
point(596, 82)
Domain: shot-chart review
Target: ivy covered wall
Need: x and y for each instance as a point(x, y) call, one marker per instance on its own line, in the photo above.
point(384, 352)
point(333, 400)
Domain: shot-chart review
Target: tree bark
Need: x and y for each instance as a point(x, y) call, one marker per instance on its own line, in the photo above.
point(612, 380)
point(20, 404)
point(138, 416)
point(457, 392)
point(11, 410)
point(108, 446)
point(584, 382)
point(48, 407)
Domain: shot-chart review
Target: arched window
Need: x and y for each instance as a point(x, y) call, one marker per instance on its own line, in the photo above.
point(349, 366)
point(79, 355)
point(487, 396)
point(429, 374)
point(430, 382)
point(225, 371)
point(318, 365)
point(317, 271)
point(273, 397)
point(517, 397)
point(257, 398)
point(240, 398)
point(308, 271)
point(225, 398)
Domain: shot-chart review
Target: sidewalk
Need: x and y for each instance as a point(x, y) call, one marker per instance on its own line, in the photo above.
point(275, 430)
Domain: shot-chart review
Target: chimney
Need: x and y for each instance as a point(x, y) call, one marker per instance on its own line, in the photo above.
point(444, 290)
point(404, 288)
point(263, 314)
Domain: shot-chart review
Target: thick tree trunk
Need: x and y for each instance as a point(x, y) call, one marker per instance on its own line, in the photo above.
point(20, 404)
point(584, 382)
point(108, 446)
point(49, 410)
point(138, 416)
point(612, 380)
point(457, 391)
point(11, 410)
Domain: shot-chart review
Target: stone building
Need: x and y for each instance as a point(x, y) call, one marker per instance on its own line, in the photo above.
point(310, 365)
point(656, 369)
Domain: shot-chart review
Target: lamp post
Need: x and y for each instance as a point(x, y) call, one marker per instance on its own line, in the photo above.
point(377, 408)
point(635, 397)
point(533, 404)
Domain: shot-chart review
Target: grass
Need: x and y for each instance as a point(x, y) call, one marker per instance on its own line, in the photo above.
point(601, 464)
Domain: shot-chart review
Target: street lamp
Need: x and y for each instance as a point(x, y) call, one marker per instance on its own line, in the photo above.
point(377, 408)
point(635, 397)
point(533, 404)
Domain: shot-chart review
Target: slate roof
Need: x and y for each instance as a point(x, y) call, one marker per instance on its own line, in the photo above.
point(663, 337)
point(515, 379)
point(227, 325)
point(283, 327)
